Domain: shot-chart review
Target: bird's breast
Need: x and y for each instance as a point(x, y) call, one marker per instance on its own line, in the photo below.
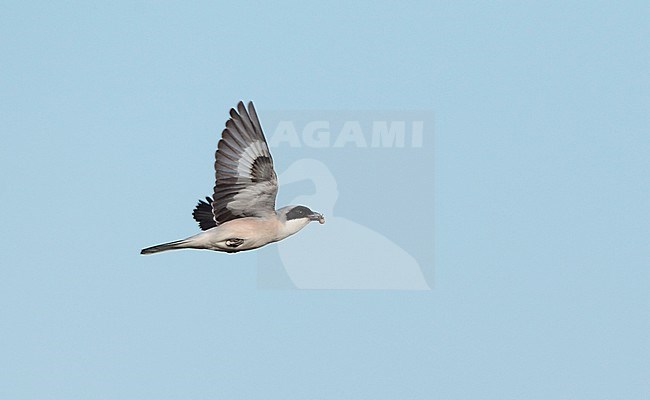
point(255, 232)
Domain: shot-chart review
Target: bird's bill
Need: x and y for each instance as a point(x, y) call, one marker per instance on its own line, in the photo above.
point(317, 217)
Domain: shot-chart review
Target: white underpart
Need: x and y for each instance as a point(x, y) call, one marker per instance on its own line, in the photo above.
point(291, 226)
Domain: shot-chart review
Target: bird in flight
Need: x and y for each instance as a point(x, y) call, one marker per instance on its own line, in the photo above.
point(241, 214)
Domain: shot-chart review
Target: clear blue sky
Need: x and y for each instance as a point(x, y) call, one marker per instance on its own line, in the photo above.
point(109, 114)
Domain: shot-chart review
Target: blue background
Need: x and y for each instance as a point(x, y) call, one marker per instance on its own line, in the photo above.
point(541, 188)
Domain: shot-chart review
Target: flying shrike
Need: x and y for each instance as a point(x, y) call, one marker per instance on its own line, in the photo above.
point(241, 214)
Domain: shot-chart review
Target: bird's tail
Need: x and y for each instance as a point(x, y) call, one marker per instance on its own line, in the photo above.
point(178, 244)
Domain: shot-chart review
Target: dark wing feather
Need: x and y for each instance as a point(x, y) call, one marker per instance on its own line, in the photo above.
point(246, 184)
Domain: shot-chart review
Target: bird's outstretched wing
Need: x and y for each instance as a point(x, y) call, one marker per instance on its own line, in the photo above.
point(246, 184)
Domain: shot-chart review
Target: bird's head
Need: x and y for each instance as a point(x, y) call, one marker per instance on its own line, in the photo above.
point(294, 218)
point(300, 213)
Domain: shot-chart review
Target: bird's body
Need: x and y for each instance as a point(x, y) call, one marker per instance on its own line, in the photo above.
point(242, 215)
